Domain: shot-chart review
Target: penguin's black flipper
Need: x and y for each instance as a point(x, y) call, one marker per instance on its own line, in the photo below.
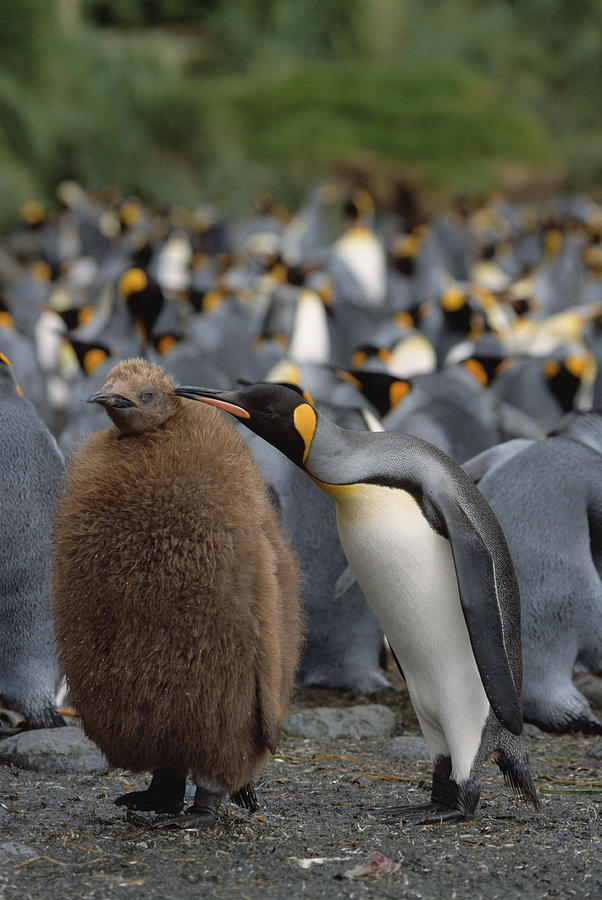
point(479, 595)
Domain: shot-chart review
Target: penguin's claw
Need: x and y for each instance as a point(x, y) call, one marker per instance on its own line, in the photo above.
point(246, 797)
point(423, 814)
point(194, 817)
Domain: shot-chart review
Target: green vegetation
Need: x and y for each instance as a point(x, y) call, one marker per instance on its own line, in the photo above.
point(182, 100)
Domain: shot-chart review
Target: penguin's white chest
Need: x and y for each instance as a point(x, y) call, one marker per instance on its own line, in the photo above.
point(363, 254)
point(407, 573)
point(310, 341)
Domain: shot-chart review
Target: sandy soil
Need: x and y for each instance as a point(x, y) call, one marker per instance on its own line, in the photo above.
point(319, 822)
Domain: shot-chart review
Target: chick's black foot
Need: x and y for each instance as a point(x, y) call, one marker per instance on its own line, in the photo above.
point(202, 814)
point(165, 794)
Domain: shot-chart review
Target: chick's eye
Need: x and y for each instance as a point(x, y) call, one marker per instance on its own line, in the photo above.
point(146, 396)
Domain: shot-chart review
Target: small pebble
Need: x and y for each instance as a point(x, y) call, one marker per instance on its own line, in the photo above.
point(408, 747)
point(532, 730)
point(595, 751)
point(14, 850)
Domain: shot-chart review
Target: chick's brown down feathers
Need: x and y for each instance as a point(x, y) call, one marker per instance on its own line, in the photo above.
point(176, 596)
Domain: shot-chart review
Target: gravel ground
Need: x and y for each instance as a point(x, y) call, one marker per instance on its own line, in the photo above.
point(319, 824)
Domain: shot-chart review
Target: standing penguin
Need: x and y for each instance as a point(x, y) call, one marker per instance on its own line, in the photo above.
point(31, 467)
point(548, 497)
point(176, 597)
point(431, 558)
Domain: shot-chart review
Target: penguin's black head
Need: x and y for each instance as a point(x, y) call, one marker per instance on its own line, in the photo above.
point(142, 296)
point(280, 414)
point(137, 396)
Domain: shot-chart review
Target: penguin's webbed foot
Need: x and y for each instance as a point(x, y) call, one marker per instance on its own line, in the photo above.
point(165, 794)
point(202, 814)
point(450, 801)
point(145, 801)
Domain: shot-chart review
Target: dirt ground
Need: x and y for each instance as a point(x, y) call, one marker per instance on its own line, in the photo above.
point(320, 820)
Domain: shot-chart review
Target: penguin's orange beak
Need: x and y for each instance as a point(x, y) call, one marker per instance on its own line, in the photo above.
point(110, 400)
point(220, 399)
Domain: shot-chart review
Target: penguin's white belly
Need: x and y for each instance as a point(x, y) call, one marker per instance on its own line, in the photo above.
point(310, 340)
point(407, 574)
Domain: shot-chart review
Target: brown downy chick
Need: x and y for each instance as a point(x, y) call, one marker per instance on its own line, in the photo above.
point(176, 597)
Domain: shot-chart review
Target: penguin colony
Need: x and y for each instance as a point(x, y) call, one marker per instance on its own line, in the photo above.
point(176, 597)
point(476, 330)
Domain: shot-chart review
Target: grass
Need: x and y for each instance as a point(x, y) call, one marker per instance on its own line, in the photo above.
point(449, 126)
point(120, 112)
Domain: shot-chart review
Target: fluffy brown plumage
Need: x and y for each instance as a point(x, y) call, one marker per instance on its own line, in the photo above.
point(176, 596)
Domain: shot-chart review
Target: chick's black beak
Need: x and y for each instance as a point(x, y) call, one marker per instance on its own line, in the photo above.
point(116, 401)
point(226, 400)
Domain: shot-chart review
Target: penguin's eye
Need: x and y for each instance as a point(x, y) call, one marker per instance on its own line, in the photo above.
point(146, 396)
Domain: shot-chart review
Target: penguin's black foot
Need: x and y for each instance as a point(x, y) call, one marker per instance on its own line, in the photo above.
point(165, 794)
point(450, 801)
point(423, 814)
point(144, 801)
point(202, 814)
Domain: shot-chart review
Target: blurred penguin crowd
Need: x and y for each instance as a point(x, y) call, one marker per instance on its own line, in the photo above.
point(480, 325)
point(477, 327)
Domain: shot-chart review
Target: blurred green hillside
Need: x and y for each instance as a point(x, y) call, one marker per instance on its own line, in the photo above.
point(183, 100)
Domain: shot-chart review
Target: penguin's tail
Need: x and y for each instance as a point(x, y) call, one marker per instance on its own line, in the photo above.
point(513, 762)
point(246, 797)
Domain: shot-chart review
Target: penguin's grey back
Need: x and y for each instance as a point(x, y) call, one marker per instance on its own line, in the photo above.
point(548, 498)
point(31, 468)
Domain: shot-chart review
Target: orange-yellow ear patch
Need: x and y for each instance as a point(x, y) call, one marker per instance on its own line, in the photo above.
point(85, 314)
point(212, 300)
point(6, 320)
point(41, 271)
point(344, 375)
point(403, 319)
point(92, 359)
point(453, 299)
point(132, 281)
point(305, 420)
point(165, 343)
point(477, 370)
point(32, 212)
point(551, 368)
point(397, 392)
point(358, 359)
point(576, 365)
point(4, 359)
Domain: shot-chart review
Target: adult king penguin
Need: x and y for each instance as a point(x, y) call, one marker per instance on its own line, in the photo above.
point(432, 560)
point(31, 468)
point(176, 597)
